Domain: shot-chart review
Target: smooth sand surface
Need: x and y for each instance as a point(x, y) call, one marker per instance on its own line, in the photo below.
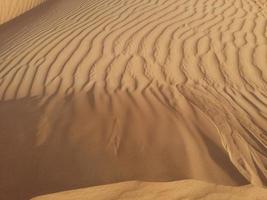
point(9, 9)
point(180, 190)
point(103, 91)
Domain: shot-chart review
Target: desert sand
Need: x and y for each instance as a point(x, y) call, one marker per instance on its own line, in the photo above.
point(179, 190)
point(96, 92)
point(9, 9)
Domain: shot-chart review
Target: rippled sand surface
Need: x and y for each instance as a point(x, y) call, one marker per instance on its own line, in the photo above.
point(95, 92)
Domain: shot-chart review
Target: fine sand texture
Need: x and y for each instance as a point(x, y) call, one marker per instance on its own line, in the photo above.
point(180, 190)
point(95, 92)
point(10, 9)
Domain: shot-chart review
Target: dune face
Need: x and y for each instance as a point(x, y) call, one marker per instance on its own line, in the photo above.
point(9, 9)
point(189, 189)
point(95, 92)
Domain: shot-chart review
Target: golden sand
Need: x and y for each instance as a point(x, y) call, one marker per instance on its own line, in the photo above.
point(179, 190)
point(94, 92)
point(9, 9)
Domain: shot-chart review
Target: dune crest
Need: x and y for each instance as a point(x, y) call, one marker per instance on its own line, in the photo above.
point(179, 190)
point(95, 92)
point(9, 9)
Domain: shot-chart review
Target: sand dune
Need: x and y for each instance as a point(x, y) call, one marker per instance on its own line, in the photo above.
point(95, 92)
point(189, 189)
point(9, 9)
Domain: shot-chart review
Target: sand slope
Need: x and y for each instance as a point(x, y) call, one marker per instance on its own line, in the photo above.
point(187, 189)
point(10, 9)
point(95, 92)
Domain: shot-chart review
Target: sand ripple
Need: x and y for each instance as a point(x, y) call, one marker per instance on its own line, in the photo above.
point(101, 91)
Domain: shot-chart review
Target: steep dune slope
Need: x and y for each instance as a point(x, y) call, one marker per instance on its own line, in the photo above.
point(95, 92)
point(10, 9)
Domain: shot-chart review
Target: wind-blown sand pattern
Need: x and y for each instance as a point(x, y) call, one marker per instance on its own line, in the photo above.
point(159, 191)
point(99, 91)
point(9, 9)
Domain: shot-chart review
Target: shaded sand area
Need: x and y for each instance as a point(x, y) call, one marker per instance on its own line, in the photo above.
point(9, 9)
point(180, 190)
point(102, 91)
